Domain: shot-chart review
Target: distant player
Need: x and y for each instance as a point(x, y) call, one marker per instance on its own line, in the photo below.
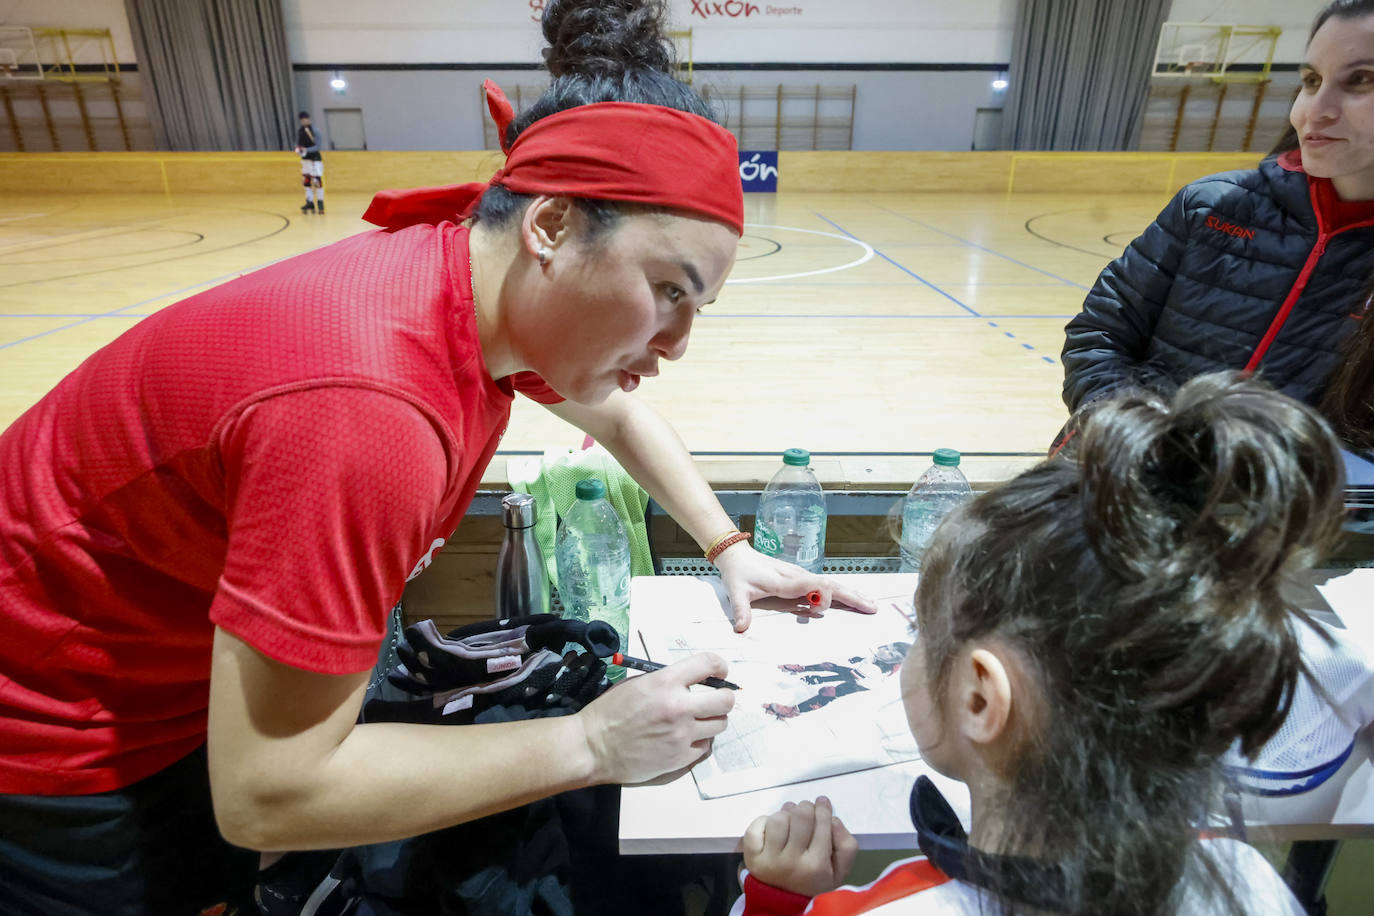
point(312, 165)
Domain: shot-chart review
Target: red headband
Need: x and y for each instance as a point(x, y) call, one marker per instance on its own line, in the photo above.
point(604, 151)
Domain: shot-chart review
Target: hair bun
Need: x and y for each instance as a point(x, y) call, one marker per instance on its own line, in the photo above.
point(1231, 480)
point(605, 37)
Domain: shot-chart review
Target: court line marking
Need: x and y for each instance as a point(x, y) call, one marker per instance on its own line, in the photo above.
point(973, 244)
point(868, 254)
point(904, 317)
point(285, 224)
point(94, 232)
point(905, 270)
point(899, 316)
point(1045, 238)
point(6, 257)
point(936, 288)
point(848, 283)
point(772, 453)
point(120, 312)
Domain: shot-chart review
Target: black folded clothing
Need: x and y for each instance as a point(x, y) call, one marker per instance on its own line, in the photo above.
point(488, 651)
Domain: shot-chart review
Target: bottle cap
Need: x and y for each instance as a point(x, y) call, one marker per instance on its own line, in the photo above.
point(797, 457)
point(946, 457)
point(518, 510)
point(591, 488)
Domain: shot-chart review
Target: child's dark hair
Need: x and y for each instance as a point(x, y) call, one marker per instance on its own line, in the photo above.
point(1138, 574)
point(599, 51)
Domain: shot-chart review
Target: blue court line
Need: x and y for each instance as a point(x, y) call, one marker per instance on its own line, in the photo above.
point(903, 316)
point(980, 247)
point(120, 312)
point(812, 285)
point(905, 270)
point(993, 324)
point(932, 285)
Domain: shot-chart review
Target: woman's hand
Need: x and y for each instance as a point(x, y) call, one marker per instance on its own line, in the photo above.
point(655, 723)
point(749, 575)
point(803, 848)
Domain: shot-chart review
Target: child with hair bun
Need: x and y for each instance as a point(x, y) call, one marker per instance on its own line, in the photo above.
point(1092, 636)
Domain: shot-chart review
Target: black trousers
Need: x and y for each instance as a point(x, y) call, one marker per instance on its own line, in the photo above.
point(150, 849)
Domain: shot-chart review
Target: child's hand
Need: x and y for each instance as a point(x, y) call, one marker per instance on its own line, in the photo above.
point(803, 848)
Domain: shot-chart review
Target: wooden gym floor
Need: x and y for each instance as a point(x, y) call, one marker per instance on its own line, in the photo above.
point(868, 324)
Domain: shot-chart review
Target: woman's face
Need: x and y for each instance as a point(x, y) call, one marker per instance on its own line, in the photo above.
point(608, 308)
point(890, 654)
point(1334, 111)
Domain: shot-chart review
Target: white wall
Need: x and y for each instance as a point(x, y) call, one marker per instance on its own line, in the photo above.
point(489, 31)
point(419, 109)
point(438, 109)
point(423, 110)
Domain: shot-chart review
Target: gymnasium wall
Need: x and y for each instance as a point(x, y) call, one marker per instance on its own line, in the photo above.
point(922, 68)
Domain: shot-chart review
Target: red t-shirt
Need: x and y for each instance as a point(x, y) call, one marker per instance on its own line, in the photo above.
point(275, 456)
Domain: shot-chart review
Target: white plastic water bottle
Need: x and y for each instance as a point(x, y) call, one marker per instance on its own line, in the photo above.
point(592, 556)
point(937, 492)
point(790, 523)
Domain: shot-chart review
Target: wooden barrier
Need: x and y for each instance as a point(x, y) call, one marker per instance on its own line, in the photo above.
point(838, 171)
point(991, 172)
point(234, 172)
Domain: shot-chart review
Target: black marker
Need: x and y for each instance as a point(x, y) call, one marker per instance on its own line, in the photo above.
point(643, 664)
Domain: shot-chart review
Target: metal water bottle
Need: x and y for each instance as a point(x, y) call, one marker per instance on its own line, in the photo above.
point(522, 580)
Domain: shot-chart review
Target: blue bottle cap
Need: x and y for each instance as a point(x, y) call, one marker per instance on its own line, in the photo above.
point(797, 457)
point(591, 488)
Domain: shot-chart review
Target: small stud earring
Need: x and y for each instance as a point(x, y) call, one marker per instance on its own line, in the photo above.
point(543, 256)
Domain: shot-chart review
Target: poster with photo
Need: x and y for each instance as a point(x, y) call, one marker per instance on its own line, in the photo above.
point(818, 696)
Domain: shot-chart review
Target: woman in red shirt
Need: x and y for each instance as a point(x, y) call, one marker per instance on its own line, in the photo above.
point(203, 527)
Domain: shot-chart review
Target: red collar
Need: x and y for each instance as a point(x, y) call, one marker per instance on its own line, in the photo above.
point(1333, 213)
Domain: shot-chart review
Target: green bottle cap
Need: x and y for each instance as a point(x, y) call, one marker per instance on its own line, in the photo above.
point(593, 488)
point(797, 457)
point(946, 457)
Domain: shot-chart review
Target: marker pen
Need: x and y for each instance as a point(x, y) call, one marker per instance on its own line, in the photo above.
point(642, 664)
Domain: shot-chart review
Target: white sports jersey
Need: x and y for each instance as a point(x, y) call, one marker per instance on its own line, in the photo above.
point(1260, 890)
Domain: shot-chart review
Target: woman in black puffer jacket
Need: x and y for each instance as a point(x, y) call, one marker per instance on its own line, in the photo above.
point(1261, 269)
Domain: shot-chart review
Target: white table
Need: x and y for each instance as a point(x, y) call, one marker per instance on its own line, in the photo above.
point(673, 818)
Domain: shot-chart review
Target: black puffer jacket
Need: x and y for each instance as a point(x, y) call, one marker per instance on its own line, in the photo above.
point(1242, 270)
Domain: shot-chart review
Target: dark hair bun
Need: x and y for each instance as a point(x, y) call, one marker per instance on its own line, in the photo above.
point(605, 37)
point(1231, 480)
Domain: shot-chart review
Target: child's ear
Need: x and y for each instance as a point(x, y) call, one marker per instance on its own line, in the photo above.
point(984, 707)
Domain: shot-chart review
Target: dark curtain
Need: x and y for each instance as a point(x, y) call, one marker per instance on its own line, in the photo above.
point(215, 72)
point(1080, 73)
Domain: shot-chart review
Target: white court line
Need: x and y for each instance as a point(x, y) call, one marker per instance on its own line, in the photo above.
point(868, 253)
